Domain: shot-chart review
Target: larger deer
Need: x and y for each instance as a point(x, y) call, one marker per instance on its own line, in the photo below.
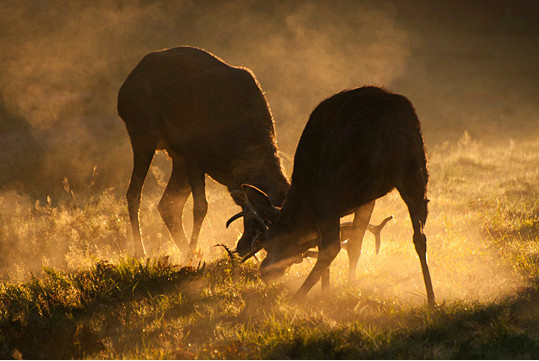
point(356, 147)
point(211, 118)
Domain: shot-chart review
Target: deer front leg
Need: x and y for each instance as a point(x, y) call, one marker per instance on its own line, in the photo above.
point(328, 248)
point(417, 207)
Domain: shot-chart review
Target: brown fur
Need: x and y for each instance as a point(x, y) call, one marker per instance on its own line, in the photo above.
point(211, 118)
point(357, 146)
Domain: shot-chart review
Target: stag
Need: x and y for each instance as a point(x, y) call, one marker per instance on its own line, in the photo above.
point(210, 118)
point(357, 146)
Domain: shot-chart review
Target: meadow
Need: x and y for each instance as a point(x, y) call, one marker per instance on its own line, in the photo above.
point(68, 285)
point(94, 301)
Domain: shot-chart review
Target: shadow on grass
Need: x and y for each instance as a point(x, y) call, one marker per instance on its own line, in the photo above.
point(154, 309)
point(506, 330)
point(51, 318)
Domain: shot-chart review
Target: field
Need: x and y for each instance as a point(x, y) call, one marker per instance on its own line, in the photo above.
point(483, 233)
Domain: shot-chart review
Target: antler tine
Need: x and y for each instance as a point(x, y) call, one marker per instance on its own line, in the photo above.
point(376, 230)
point(250, 254)
point(387, 219)
point(234, 217)
point(250, 214)
point(256, 246)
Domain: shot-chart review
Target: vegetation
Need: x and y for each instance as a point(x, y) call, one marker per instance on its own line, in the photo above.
point(155, 310)
point(483, 235)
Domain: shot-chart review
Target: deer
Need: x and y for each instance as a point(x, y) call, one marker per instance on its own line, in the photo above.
point(356, 147)
point(210, 118)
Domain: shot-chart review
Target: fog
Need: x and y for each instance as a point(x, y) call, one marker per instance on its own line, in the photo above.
point(62, 62)
point(465, 66)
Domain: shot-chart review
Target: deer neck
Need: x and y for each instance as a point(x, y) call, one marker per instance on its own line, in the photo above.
point(296, 216)
point(263, 172)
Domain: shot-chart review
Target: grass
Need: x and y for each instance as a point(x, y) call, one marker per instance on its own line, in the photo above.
point(154, 309)
point(52, 317)
point(92, 301)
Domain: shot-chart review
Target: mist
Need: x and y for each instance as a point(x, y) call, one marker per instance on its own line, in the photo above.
point(62, 63)
point(466, 67)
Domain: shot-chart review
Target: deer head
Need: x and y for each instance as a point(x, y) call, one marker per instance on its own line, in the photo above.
point(280, 243)
point(253, 224)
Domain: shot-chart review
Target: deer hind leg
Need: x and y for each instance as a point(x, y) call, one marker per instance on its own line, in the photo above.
point(143, 151)
point(200, 205)
point(173, 201)
point(415, 199)
point(361, 222)
point(328, 248)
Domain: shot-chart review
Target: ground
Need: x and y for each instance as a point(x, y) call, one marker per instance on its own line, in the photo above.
point(93, 301)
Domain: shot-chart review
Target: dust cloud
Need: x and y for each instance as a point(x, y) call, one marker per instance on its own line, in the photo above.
point(66, 158)
point(63, 62)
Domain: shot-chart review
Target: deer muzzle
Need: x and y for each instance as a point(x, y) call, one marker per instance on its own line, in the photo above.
point(272, 269)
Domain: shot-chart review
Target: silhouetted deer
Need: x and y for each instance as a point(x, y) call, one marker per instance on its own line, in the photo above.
point(211, 118)
point(357, 146)
point(351, 233)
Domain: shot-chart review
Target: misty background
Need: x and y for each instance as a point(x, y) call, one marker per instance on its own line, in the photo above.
point(465, 65)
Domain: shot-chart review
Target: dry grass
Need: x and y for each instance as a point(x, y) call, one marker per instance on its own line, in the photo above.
point(483, 231)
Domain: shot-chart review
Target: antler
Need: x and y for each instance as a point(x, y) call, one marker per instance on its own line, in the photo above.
point(376, 231)
point(252, 253)
point(256, 246)
point(348, 227)
point(249, 214)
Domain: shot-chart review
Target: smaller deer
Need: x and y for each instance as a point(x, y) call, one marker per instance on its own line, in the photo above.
point(356, 147)
point(351, 234)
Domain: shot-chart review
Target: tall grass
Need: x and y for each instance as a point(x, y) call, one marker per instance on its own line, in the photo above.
point(91, 301)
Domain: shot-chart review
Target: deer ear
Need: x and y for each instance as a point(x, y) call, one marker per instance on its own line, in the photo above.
point(260, 202)
point(239, 197)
